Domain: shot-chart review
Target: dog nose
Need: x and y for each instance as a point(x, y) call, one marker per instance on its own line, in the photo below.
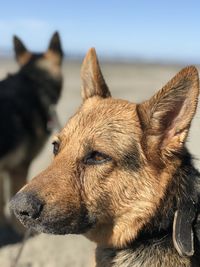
point(26, 205)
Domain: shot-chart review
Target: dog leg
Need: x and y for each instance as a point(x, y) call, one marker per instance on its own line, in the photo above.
point(18, 178)
point(2, 204)
point(17, 181)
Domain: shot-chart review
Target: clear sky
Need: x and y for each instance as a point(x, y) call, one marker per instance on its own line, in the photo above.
point(154, 29)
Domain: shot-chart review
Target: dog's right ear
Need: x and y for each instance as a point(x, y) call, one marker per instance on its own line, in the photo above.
point(21, 53)
point(92, 80)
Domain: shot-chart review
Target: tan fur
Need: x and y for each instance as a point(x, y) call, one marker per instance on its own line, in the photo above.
point(92, 79)
point(48, 64)
point(123, 194)
point(185, 86)
point(53, 57)
point(13, 159)
point(24, 58)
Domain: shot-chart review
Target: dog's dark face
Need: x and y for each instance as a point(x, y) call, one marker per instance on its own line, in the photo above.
point(113, 161)
point(49, 61)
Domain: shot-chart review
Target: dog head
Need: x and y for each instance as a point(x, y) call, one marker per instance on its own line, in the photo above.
point(114, 161)
point(50, 61)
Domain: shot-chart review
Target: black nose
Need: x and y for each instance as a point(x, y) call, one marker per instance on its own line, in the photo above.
point(26, 205)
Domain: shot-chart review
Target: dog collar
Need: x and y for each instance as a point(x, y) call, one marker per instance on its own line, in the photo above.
point(183, 228)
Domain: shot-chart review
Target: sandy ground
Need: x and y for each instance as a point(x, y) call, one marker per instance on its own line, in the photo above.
point(135, 82)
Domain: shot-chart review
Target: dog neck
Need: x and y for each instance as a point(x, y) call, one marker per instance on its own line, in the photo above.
point(154, 243)
point(43, 83)
point(149, 253)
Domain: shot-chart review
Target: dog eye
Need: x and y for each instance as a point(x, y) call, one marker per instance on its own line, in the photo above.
point(56, 146)
point(95, 157)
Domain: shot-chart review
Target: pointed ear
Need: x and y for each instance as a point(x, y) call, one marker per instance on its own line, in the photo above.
point(167, 116)
point(21, 53)
point(55, 51)
point(91, 77)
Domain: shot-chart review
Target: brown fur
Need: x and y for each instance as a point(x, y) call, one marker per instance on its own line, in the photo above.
point(123, 198)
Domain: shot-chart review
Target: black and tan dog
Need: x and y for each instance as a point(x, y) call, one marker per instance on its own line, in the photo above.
point(25, 101)
point(122, 176)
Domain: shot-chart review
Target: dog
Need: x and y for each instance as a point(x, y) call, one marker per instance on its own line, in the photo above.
point(122, 176)
point(26, 98)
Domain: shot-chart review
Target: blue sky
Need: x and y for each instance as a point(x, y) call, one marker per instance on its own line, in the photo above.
point(153, 30)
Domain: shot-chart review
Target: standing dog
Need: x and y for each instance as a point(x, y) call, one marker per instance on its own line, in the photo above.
point(122, 176)
point(25, 101)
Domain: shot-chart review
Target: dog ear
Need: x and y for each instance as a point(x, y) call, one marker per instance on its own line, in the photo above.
point(166, 117)
point(55, 51)
point(91, 77)
point(21, 53)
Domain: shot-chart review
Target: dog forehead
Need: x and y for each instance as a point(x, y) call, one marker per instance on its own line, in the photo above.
point(109, 106)
point(105, 119)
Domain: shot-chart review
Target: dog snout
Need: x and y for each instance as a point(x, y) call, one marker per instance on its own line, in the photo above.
point(26, 206)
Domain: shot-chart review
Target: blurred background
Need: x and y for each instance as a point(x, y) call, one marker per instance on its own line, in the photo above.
point(140, 45)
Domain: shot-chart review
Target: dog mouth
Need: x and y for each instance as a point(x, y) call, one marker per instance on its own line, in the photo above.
point(58, 226)
point(40, 217)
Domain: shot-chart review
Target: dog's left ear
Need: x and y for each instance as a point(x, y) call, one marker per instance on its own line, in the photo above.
point(55, 51)
point(21, 52)
point(93, 83)
point(166, 117)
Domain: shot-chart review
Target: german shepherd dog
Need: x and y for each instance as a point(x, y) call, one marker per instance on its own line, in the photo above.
point(25, 101)
point(122, 176)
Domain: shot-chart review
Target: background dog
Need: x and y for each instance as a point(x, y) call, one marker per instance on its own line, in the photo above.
point(26, 98)
point(120, 174)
